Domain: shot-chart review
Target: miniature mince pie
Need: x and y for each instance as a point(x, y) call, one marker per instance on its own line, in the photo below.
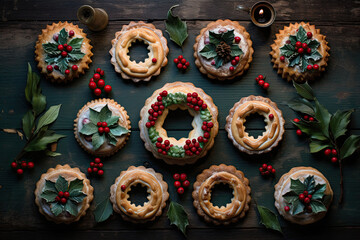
point(205, 125)
point(157, 189)
point(223, 50)
point(63, 52)
point(303, 195)
point(102, 127)
point(63, 194)
point(300, 52)
point(157, 46)
point(233, 211)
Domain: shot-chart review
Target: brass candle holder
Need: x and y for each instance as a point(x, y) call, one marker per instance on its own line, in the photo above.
point(96, 19)
point(262, 13)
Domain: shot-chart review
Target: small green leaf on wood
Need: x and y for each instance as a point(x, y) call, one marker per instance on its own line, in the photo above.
point(61, 184)
point(38, 103)
point(304, 90)
point(178, 216)
point(301, 105)
point(176, 28)
point(49, 117)
point(52, 154)
point(317, 146)
point(28, 123)
point(268, 218)
point(41, 142)
point(339, 122)
point(103, 210)
point(323, 117)
point(351, 144)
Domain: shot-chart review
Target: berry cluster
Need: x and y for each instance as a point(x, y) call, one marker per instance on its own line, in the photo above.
point(267, 170)
point(62, 197)
point(185, 183)
point(163, 147)
point(20, 167)
point(193, 146)
point(96, 167)
point(181, 62)
point(102, 127)
point(305, 118)
point(156, 109)
point(332, 152)
point(96, 83)
point(261, 82)
point(195, 102)
point(305, 198)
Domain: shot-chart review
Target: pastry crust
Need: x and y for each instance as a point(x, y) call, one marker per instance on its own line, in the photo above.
point(293, 73)
point(236, 129)
point(139, 71)
point(223, 73)
point(196, 123)
point(283, 186)
point(157, 189)
point(106, 149)
point(233, 211)
point(69, 174)
point(47, 36)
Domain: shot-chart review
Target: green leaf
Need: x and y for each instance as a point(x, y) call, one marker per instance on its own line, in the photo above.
point(28, 123)
point(297, 186)
point(97, 140)
point(214, 38)
point(291, 197)
point(317, 146)
point(178, 216)
point(301, 105)
point(105, 114)
point(40, 143)
point(30, 84)
point(228, 37)
point(119, 131)
point(71, 208)
point(287, 50)
point(63, 36)
point(218, 61)
point(75, 43)
point(309, 183)
point(48, 196)
point(52, 59)
point(50, 47)
point(315, 56)
point(297, 207)
point(61, 184)
point(49, 117)
point(313, 129)
point(94, 116)
point(76, 55)
point(112, 139)
point(293, 40)
point(303, 64)
point(38, 103)
point(209, 51)
point(268, 218)
point(176, 28)
point(304, 90)
point(313, 44)
point(294, 60)
point(339, 122)
point(323, 116)
point(301, 34)
point(317, 206)
point(236, 50)
point(51, 153)
point(89, 129)
point(57, 208)
point(103, 210)
point(319, 192)
point(77, 196)
point(75, 185)
point(350, 145)
point(63, 64)
point(113, 120)
point(49, 186)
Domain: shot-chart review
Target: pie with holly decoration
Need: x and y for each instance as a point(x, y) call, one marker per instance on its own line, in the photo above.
point(223, 50)
point(300, 52)
point(102, 127)
point(303, 195)
point(63, 52)
point(63, 194)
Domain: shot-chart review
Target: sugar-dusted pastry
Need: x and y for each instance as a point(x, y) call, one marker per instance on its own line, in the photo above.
point(223, 50)
point(102, 127)
point(300, 52)
point(303, 195)
point(63, 194)
point(233, 211)
point(274, 128)
point(200, 139)
point(63, 52)
point(157, 46)
point(156, 187)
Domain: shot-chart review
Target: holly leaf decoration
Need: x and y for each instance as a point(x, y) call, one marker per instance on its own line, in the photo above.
point(71, 208)
point(63, 36)
point(89, 129)
point(228, 37)
point(75, 55)
point(119, 131)
point(61, 184)
point(317, 206)
point(178, 217)
point(176, 28)
point(103, 210)
point(313, 44)
point(50, 47)
point(314, 55)
point(319, 191)
point(94, 116)
point(63, 64)
point(113, 120)
point(339, 122)
point(268, 218)
point(77, 196)
point(297, 186)
point(291, 197)
point(104, 114)
point(301, 35)
point(112, 139)
point(218, 61)
point(97, 140)
point(236, 50)
point(75, 186)
point(288, 50)
point(296, 208)
point(302, 105)
point(49, 186)
point(56, 208)
point(295, 60)
point(304, 90)
point(75, 42)
point(209, 51)
point(351, 144)
point(48, 196)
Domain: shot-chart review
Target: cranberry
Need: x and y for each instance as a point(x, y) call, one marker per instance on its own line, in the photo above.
point(49, 68)
point(30, 165)
point(167, 142)
point(300, 50)
point(180, 57)
point(106, 130)
point(97, 91)
point(308, 50)
point(301, 197)
point(60, 47)
point(334, 159)
point(107, 88)
point(56, 67)
point(23, 164)
point(316, 67)
point(334, 152)
point(95, 169)
point(176, 176)
point(309, 67)
point(309, 196)
point(183, 61)
point(66, 194)
point(266, 85)
point(71, 33)
point(237, 58)
point(154, 60)
point(311, 119)
point(102, 73)
point(176, 61)
point(159, 139)
point(206, 135)
point(101, 172)
point(233, 62)
point(164, 93)
point(305, 193)
point(180, 190)
point(98, 70)
point(183, 177)
point(14, 165)
point(261, 82)
point(64, 54)
point(67, 71)
point(306, 117)
point(101, 83)
point(309, 35)
point(269, 168)
point(19, 171)
point(287, 208)
point(186, 183)
point(148, 124)
point(63, 200)
point(92, 85)
point(304, 45)
point(177, 184)
point(298, 44)
point(69, 48)
point(123, 187)
point(74, 67)
point(179, 66)
point(307, 200)
point(327, 152)
point(298, 132)
point(96, 76)
point(56, 37)
point(213, 62)
point(261, 77)
point(273, 171)
point(65, 45)
point(100, 130)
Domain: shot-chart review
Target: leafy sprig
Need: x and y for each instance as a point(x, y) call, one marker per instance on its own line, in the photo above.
point(268, 218)
point(178, 216)
point(328, 130)
point(176, 28)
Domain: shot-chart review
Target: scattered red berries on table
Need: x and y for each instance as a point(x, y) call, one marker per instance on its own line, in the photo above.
point(96, 167)
point(96, 83)
point(267, 170)
point(298, 132)
point(261, 82)
point(183, 183)
point(180, 190)
point(20, 166)
point(181, 62)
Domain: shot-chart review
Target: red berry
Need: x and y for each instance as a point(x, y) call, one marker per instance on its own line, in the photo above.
point(233, 62)
point(269, 168)
point(66, 194)
point(327, 152)
point(309, 208)
point(102, 73)
point(148, 124)
point(306, 117)
point(49, 68)
point(288, 42)
point(104, 124)
point(304, 45)
point(273, 171)
point(264, 166)
point(307, 200)
point(261, 82)
point(14, 165)
point(282, 58)
point(305, 193)
point(316, 67)
point(100, 130)
point(19, 171)
point(237, 58)
point(64, 54)
point(167, 142)
point(311, 119)
point(231, 68)
point(334, 152)
point(107, 88)
point(196, 108)
point(309, 67)
point(99, 124)
point(266, 85)
point(183, 177)
point(187, 64)
point(159, 139)
point(154, 60)
point(92, 164)
point(23, 164)
point(57, 199)
point(180, 190)
point(257, 79)
point(184, 67)
point(309, 35)
point(204, 106)
point(309, 196)
point(95, 169)
point(56, 67)
point(101, 172)
point(67, 71)
point(176, 60)
point(97, 91)
point(65, 45)
point(267, 173)
point(298, 132)
point(186, 183)
point(286, 208)
point(63, 200)
point(301, 197)
point(179, 66)
point(308, 50)
point(298, 44)
point(300, 50)
point(261, 169)
point(180, 57)
point(106, 130)
point(98, 70)
point(237, 39)
point(271, 116)
point(183, 61)
point(177, 184)
point(56, 37)
point(261, 77)
point(30, 165)
point(206, 135)
point(96, 76)
point(164, 93)
point(69, 48)
point(74, 67)
point(296, 120)
point(334, 159)
point(123, 187)
point(101, 83)
point(71, 33)
point(176, 176)
point(210, 125)
point(60, 47)
point(213, 62)
point(60, 194)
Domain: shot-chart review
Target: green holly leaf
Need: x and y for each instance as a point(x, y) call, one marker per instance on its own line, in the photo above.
point(315, 56)
point(97, 140)
point(41, 142)
point(48, 196)
point(317, 206)
point(319, 192)
point(351, 144)
point(112, 139)
point(50, 186)
point(301, 35)
point(287, 50)
point(339, 122)
point(309, 183)
point(313, 129)
point(303, 64)
point(313, 44)
point(105, 114)
point(49, 117)
point(63, 64)
point(291, 197)
point(209, 51)
point(103, 210)
point(297, 186)
point(218, 61)
point(77, 196)
point(94, 116)
point(302, 105)
point(304, 90)
point(75, 55)
point(57, 208)
point(176, 28)
point(71, 208)
point(228, 37)
point(75, 43)
point(293, 40)
point(51, 60)
point(236, 50)
point(177, 216)
point(317, 146)
point(294, 60)
point(297, 207)
point(214, 38)
point(50, 47)
point(63, 36)
point(268, 218)
point(119, 131)
point(75, 186)
point(28, 123)
point(113, 120)
point(323, 116)
point(61, 184)
point(89, 129)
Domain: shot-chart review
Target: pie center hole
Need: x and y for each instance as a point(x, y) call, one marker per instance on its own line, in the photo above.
point(138, 51)
point(255, 125)
point(178, 119)
point(221, 194)
point(138, 195)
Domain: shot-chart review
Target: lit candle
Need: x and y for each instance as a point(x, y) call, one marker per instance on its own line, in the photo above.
point(261, 13)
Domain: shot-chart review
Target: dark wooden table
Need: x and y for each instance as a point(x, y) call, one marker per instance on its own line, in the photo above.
point(339, 88)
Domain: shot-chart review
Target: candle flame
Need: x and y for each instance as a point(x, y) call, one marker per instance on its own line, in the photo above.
point(261, 12)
